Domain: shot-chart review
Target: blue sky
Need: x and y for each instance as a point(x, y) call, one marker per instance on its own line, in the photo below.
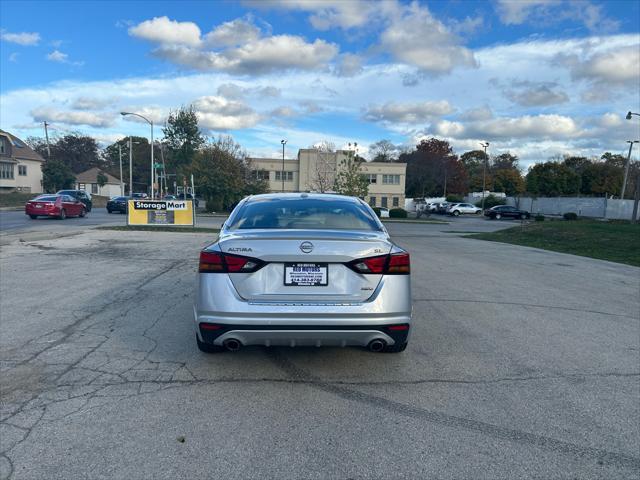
point(539, 78)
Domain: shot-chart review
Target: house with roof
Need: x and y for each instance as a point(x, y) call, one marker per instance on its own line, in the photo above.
point(88, 181)
point(20, 166)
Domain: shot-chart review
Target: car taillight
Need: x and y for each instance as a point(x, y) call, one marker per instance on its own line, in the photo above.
point(214, 262)
point(394, 264)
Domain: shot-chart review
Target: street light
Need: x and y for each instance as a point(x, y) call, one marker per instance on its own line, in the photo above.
point(628, 117)
point(283, 142)
point(124, 114)
point(484, 145)
point(626, 168)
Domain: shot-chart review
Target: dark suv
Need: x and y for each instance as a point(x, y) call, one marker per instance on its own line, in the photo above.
point(505, 211)
point(81, 195)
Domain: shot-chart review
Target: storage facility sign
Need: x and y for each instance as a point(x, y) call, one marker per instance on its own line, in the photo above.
point(160, 212)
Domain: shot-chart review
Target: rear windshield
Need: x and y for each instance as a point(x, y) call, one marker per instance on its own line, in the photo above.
point(46, 199)
point(304, 214)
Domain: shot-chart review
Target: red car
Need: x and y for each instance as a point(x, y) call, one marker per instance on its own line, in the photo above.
point(59, 206)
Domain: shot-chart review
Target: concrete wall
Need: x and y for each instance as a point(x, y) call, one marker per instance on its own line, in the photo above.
point(583, 206)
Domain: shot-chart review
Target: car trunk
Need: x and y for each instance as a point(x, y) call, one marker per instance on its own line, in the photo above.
point(282, 248)
point(42, 206)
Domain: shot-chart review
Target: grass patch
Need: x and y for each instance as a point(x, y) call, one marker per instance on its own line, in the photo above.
point(614, 241)
point(15, 199)
point(165, 228)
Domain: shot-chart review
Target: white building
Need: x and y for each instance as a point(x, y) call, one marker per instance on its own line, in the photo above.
point(88, 181)
point(315, 171)
point(20, 166)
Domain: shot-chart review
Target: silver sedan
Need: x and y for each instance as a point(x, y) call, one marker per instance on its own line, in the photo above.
point(303, 270)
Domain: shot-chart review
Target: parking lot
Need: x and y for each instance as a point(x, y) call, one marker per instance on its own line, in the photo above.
point(522, 363)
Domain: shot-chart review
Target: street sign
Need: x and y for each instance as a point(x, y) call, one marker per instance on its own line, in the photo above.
point(157, 165)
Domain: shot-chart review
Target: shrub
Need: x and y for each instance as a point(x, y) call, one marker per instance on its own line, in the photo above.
point(570, 216)
point(377, 211)
point(539, 218)
point(398, 213)
point(491, 201)
point(454, 198)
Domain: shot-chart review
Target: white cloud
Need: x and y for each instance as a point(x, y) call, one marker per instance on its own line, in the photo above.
point(51, 114)
point(89, 103)
point(165, 31)
point(58, 56)
point(478, 113)
point(349, 65)
point(414, 36)
point(619, 65)
point(235, 91)
point(283, 112)
point(26, 39)
point(218, 113)
point(411, 113)
point(535, 94)
point(279, 52)
point(233, 33)
point(516, 12)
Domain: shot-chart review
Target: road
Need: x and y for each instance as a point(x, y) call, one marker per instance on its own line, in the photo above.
point(522, 364)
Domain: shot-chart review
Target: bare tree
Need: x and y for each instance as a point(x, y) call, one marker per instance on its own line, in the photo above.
point(324, 174)
point(383, 151)
point(324, 146)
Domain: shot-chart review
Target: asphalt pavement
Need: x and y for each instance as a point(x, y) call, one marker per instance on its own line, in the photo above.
point(522, 364)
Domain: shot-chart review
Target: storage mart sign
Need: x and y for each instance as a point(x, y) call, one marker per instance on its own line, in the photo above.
point(160, 212)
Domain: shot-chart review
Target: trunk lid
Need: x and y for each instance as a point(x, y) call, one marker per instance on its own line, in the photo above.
point(281, 247)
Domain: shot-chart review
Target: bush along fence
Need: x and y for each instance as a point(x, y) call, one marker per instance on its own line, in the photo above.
point(581, 206)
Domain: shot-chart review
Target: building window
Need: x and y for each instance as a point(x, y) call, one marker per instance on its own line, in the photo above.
point(372, 201)
point(288, 176)
point(261, 174)
point(6, 170)
point(370, 177)
point(391, 179)
point(94, 188)
point(22, 170)
point(3, 148)
point(396, 201)
point(82, 186)
point(384, 202)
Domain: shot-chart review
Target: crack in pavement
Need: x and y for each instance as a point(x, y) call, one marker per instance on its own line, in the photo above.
point(496, 431)
point(520, 304)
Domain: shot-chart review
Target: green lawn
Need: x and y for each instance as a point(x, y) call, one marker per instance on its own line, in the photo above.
point(613, 241)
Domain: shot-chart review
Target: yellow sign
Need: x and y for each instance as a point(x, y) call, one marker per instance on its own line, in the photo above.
point(160, 212)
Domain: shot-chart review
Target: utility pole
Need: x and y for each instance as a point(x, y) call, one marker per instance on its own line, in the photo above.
point(283, 142)
point(484, 171)
point(121, 179)
point(130, 166)
point(636, 200)
point(626, 168)
point(46, 134)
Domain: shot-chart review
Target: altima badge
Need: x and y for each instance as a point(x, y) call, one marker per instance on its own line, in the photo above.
point(306, 247)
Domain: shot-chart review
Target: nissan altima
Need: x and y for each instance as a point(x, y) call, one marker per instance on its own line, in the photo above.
point(303, 269)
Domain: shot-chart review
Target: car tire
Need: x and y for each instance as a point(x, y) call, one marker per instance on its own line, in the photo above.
point(522, 216)
point(83, 213)
point(33, 217)
point(456, 213)
point(109, 211)
point(396, 348)
point(497, 216)
point(63, 214)
point(207, 347)
point(478, 212)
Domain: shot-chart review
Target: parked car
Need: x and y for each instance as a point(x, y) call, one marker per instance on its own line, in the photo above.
point(139, 195)
point(188, 196)
point(506, 211)
point(303, 270)
point(384, 212)
point(441, 207)
point(456, 209)
point(118, 204)
point(169, 197)
point(59, 206)
point(81, 195)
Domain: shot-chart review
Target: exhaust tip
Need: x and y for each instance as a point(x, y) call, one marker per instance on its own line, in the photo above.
point(232, 345)
point(377, 345)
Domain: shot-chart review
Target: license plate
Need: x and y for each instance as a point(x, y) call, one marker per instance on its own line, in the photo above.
point(306, 274)
point(38, 206)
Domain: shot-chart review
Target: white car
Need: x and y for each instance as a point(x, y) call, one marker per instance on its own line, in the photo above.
point(456, 209)
point(384, 212)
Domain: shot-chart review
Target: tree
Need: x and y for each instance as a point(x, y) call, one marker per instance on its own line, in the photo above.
point(324, 174)
point(601, 178)
point(427, 167)
point(223, 174)
point(552, 179)
point(324, 146)
point(102, 179)
point(56, 175)
point(504, 161)
point(349, 179)
point(182, 136)
point(141, 156)
point(79, 152)
point(473, 162)
point(508, 181)
point(383, 151)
